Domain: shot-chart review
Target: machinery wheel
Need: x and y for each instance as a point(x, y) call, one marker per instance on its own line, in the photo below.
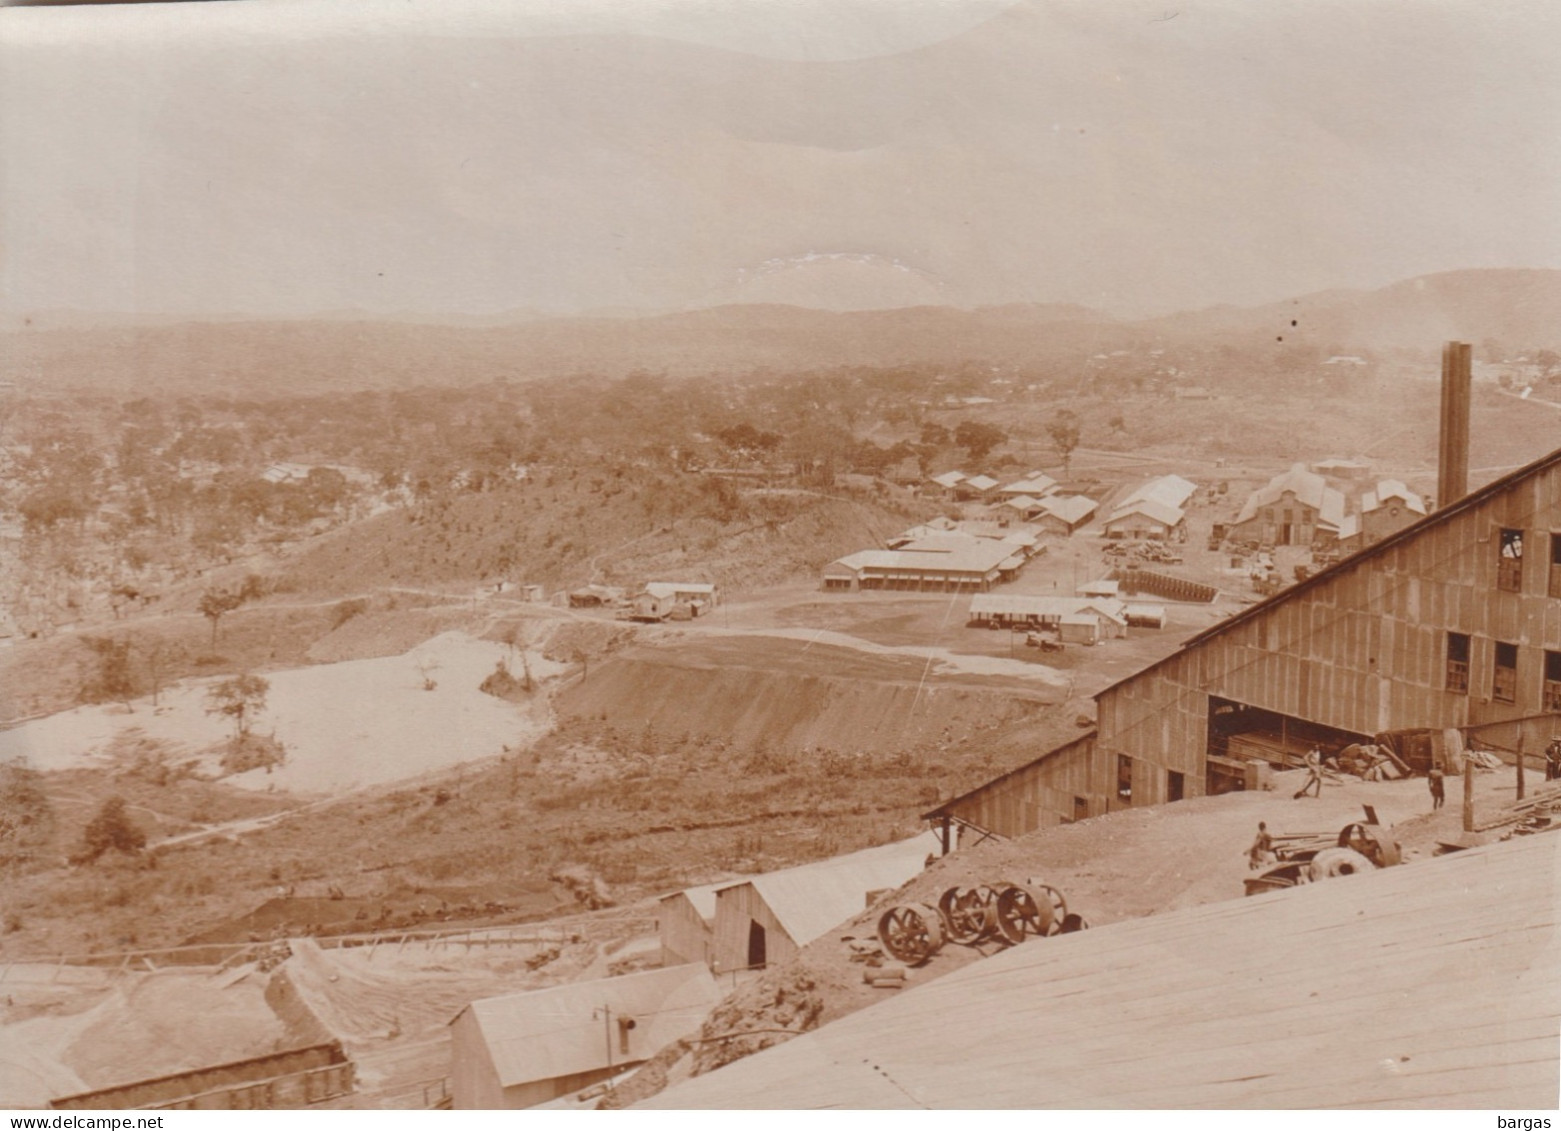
point(969, 914)
point(911, 934)
point(1332, 862)
point(1020, 912)
point(1055, 898)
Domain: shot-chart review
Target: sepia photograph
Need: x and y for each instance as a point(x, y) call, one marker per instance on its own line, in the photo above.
point(780, 554)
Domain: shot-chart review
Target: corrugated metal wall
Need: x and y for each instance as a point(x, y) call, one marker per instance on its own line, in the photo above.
point(1039, 795)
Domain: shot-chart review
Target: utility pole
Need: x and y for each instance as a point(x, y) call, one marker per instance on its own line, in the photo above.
point(1468, 793)
point(606, 1012)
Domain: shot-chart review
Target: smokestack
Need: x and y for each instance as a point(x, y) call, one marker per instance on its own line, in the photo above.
point(1452, 463)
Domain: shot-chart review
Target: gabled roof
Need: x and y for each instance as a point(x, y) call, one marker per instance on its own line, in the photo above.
point(981, 482)
point(1019, 502)
point(949, 478)
point(814, 898)
point(702, 898)
point(1309, 489)
point(1322, 577)
point(1030, 485)
point(1071, 509)
point(1168, 490)
point(1149, 508)
point(1187, 1009)
point(1388, 490)
point(559, 1031)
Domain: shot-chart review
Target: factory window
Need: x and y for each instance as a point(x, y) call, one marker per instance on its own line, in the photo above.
point(1124, 778)
point(1504, 683)
point(1555, 565)
point(1552, 688)
point(1458, 663)
point(1509, 566)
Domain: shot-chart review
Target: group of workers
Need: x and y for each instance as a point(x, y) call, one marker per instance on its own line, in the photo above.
point(1262, 850)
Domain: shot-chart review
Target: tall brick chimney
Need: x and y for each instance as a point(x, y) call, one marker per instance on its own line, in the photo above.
point(1452, 463)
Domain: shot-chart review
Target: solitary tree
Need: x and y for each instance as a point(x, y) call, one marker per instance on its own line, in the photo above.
point(217, 603)
point(1064, 433)
point(159, 658)
point(240, 698)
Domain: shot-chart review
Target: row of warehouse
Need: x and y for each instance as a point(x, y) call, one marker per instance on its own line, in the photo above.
point(947, 558)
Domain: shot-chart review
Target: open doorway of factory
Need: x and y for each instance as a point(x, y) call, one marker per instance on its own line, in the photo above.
point(1242, 737)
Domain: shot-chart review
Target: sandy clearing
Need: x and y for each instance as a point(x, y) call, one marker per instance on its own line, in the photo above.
point(944, 662)
point(345, 725)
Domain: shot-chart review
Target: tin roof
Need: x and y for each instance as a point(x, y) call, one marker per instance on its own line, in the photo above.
point(812, 899)
point(1309, 489)
point(1163, 513)
point(560, 1031)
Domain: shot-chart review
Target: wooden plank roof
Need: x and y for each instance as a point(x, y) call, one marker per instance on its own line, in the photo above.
point(1433, 985)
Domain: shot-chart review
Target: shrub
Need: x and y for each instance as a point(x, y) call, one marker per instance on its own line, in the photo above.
point(252, 752)
point(110, 828)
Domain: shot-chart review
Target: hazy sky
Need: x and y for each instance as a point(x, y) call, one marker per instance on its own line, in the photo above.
point(426, 156)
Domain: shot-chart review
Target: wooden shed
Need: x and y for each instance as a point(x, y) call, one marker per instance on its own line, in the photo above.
point(525, 1049)
point(1082, 627)
point(686, 922)
point(768, 918)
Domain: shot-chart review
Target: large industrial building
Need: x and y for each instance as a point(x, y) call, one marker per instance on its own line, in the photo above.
point(1295, 508)
point(1452, 622)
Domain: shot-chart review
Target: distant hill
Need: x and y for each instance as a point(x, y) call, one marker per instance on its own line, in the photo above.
point(1521, 309)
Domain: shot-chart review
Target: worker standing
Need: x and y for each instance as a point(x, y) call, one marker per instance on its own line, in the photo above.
point(1553, 760)
point(1436, 780)
point(1262, 849)
point(1314, 774)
